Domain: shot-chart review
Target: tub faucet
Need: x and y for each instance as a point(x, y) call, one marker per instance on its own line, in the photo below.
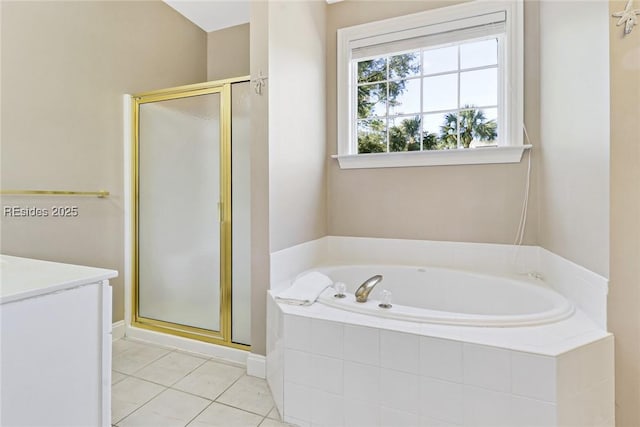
point(362, 293)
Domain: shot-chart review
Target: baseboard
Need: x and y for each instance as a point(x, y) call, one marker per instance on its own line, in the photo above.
point(117, 330)
point(256, 365)
point(228, 354)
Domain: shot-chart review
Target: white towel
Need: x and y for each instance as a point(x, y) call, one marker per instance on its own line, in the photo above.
point(305, 289)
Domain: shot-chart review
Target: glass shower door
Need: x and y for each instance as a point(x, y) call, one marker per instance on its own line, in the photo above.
point(241, 213)
point(180, 231)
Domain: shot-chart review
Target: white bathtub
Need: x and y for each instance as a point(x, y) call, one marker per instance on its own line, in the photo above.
point(446, 296)
point(429, 368)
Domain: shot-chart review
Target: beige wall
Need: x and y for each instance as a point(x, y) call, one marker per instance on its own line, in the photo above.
point(297, 136)
point(227, 57)
point(228, 53)
point(65, 67)
point(434, 203)
point(574, 180)
point(259, 53)
point(624, 292)
point(288, 138)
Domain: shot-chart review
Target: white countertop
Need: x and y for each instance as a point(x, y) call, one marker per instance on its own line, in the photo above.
point(22, 278)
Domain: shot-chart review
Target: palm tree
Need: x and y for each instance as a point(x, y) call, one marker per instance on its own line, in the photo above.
point(406, 136)
point(473, 125)
point(430, 141)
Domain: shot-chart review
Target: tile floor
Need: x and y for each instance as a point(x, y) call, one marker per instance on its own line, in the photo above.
point(155, 386)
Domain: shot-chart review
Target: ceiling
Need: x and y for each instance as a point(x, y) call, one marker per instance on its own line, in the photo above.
point(211, 15)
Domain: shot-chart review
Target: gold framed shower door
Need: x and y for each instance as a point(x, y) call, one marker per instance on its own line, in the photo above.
point(224, 335)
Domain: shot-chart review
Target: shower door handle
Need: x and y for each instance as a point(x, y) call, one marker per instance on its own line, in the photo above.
point(220, 212)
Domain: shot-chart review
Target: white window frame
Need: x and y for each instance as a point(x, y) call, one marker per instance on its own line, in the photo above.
point(435, 21)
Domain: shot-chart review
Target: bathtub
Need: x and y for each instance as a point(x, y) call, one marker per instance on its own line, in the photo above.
point(447, 296)
point(468, 341)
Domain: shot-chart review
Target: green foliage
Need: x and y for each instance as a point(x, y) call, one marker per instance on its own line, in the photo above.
point(430, 141)
point(473, 125)
point(449, 131)
point(375, 70)
point(378, 87)
point(406, 136)
point(372, 137)
point(371, 143)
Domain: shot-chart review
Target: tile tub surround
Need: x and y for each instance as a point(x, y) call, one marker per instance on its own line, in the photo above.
point(353, 371)
point(372, 371)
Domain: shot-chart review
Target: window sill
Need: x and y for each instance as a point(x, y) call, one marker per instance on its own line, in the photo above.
point(468, 156)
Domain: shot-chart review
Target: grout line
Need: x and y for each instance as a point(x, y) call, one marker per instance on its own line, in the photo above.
point(120, 380)
point(179, 350)
point(190, 393)
point(209, 358)
point(270, 410)
point(197, 395)
point(173, 383)
point(203, 397)
point(242, 409)
point(165, 388)
point(188, 373)
point(233, 407)
point(266, 417)
point(142, 343)
point(163, 391)
point(145, 365)
point(198, 414)
point(193, 354)
point(141, 405)
point(149, 381)
point(225, 390)
point(142, 367)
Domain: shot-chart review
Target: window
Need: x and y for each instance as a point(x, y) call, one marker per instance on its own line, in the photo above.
point(429, 99)
point(438, 87)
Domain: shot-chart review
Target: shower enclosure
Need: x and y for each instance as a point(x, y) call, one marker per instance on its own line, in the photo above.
point(191, 225)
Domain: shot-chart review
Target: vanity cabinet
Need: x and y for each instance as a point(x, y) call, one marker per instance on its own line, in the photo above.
point(55, 344)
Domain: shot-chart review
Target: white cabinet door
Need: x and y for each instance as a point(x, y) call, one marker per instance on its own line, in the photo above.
point(53, 358)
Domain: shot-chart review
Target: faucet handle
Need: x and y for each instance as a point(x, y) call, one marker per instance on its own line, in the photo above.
point(340, 289)
point(385, 299)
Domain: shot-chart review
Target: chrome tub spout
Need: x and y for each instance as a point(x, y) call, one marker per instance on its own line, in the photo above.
point(362, 293)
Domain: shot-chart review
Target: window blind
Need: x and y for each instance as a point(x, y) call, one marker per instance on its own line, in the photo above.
point(430, 35)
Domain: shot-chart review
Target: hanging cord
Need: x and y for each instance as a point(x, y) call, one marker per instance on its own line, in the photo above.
point(525, 203)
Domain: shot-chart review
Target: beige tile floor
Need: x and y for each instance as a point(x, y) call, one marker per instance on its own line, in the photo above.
point(155, 386)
